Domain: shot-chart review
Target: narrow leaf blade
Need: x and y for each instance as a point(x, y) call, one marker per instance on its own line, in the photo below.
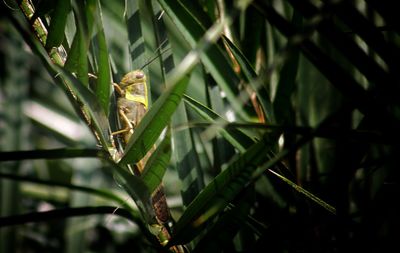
point(157, 164)
point(57, 26)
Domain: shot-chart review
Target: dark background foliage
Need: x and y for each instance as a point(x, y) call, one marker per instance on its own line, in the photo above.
point(283, 129)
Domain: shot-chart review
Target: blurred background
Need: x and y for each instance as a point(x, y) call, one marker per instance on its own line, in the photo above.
point(319, 78)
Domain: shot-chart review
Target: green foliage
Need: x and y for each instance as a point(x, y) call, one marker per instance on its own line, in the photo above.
point(273, 125)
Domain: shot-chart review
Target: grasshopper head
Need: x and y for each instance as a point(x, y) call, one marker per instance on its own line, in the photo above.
point(133, 78)
point(134, 87)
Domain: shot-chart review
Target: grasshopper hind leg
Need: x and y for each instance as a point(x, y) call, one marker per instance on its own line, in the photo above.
point(128, 125)
point(130, 113)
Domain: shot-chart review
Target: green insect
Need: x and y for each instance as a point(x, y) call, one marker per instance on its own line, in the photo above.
point(132, 104)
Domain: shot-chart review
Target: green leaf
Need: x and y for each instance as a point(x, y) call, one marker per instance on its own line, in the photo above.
point(97, 120)
point(282, 104)
point(103, 87)
point(95, 191)
point(57, 25)
point(219, 192)
point(139, 192)
point(214, 60)
point(61, 153)
point(253, 28)
point(226, 228)
point(237, 138)
point(157, 46)
point(88, 107)
point(305, 192)
point(63, 213)
point(339, 78)
point(346, 46)
point(135, 35)
point(77, 61)
point(251, 77)
point(157, 164)
point(286, 85)
point(367, 30)
point(187, 161)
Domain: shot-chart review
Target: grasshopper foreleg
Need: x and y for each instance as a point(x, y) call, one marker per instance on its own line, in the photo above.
point(118, 89)
point(122, 110)
point(126, 122)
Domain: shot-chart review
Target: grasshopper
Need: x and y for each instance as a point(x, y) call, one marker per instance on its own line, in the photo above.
point(132, 105)
point(132, 102)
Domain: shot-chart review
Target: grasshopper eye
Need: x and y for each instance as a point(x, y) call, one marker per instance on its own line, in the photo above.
point(139, 75)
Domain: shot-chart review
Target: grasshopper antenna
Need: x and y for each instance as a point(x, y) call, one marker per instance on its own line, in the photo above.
point(155, 57)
